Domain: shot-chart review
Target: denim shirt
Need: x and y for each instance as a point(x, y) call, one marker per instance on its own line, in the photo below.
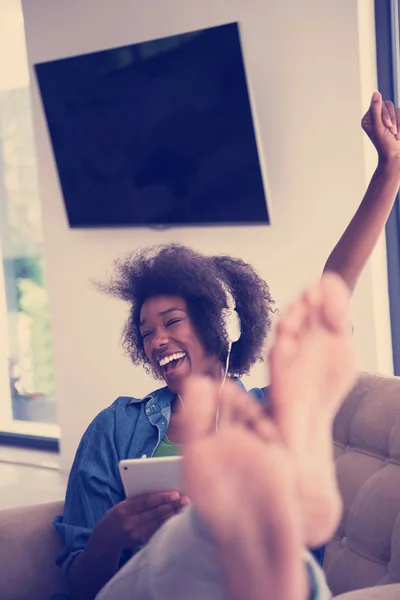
point(129, 428)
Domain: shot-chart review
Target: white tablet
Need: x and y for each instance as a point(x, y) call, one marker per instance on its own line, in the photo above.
point(147, 475)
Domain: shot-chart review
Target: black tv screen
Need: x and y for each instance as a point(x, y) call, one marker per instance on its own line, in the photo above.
point(156, 133)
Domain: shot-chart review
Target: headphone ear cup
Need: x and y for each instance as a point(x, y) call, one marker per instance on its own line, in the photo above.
point(232, 325)
point(235, 329)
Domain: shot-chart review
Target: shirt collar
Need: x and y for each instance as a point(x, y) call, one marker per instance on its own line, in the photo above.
point(164, 393)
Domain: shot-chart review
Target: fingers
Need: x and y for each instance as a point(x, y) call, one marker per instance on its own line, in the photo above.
point(144, 515)
point(143, 526)
point(389, 116)
point(397, 113)
point(156, 516)
point(142, 504)
point(380, 119)
point(378, 112)
point(386, 115)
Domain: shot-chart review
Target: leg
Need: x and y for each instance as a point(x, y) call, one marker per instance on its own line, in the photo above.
point(243, 484)
point(312, 367)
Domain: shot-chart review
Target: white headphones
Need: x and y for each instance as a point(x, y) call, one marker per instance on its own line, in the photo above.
point(231, 318)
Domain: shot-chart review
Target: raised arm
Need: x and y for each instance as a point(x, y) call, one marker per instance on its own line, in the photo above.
point(382, 125)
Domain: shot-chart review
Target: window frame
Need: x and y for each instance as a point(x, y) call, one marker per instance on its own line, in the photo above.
point(387, 25)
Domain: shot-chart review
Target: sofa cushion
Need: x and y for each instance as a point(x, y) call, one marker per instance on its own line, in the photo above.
point(366, 549)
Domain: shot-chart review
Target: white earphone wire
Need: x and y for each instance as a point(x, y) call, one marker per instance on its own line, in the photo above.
point(222, 387)
point(220, 390)
point(231, 309)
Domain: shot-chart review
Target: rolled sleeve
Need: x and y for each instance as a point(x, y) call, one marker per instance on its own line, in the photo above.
point(74, 539)
point(94, 486)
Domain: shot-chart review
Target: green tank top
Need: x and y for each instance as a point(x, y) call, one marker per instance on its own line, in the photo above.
point(167, 448)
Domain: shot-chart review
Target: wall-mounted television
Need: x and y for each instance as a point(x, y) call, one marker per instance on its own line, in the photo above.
point(156, 133)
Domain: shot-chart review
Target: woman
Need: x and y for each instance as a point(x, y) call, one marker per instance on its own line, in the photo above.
point(256, 483)
point(176, 327)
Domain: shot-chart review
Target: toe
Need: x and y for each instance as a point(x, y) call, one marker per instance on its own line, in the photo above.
point(236, 406)
point(293, 321)
point(284, 351)
point(249, 412)
point(198, 415)
point(313, 296)
point(239, 408)
point(267, 430)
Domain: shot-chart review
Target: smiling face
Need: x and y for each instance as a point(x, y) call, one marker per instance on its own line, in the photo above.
point(171, 342)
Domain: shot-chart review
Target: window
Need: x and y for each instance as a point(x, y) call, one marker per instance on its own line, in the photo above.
point(27, 402)
point(387, 22)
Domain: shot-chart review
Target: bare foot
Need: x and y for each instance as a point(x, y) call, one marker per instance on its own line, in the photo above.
point(243, 484)
point(312, 368)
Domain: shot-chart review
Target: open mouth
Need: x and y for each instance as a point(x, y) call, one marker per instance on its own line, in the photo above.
point(171, 363)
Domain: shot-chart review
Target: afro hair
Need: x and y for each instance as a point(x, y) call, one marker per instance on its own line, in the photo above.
point(202, 280)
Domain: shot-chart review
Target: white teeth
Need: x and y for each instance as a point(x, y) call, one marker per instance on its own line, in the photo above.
point(167, 359)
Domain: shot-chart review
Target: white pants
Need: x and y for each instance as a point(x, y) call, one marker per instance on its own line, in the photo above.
point(179, 563)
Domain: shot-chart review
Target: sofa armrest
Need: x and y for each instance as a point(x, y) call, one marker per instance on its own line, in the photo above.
point(28, 548)
point(381, 592)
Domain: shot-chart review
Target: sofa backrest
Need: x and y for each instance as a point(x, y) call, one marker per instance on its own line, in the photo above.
point(366, 548)
point(29, 545)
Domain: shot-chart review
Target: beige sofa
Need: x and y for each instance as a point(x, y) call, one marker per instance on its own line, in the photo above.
point(365, 553)
point(366, 549)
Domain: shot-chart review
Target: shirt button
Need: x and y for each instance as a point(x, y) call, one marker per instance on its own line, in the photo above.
point(144, 456)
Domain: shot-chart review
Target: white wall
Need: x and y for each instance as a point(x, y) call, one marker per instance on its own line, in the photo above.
point(304, 62)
